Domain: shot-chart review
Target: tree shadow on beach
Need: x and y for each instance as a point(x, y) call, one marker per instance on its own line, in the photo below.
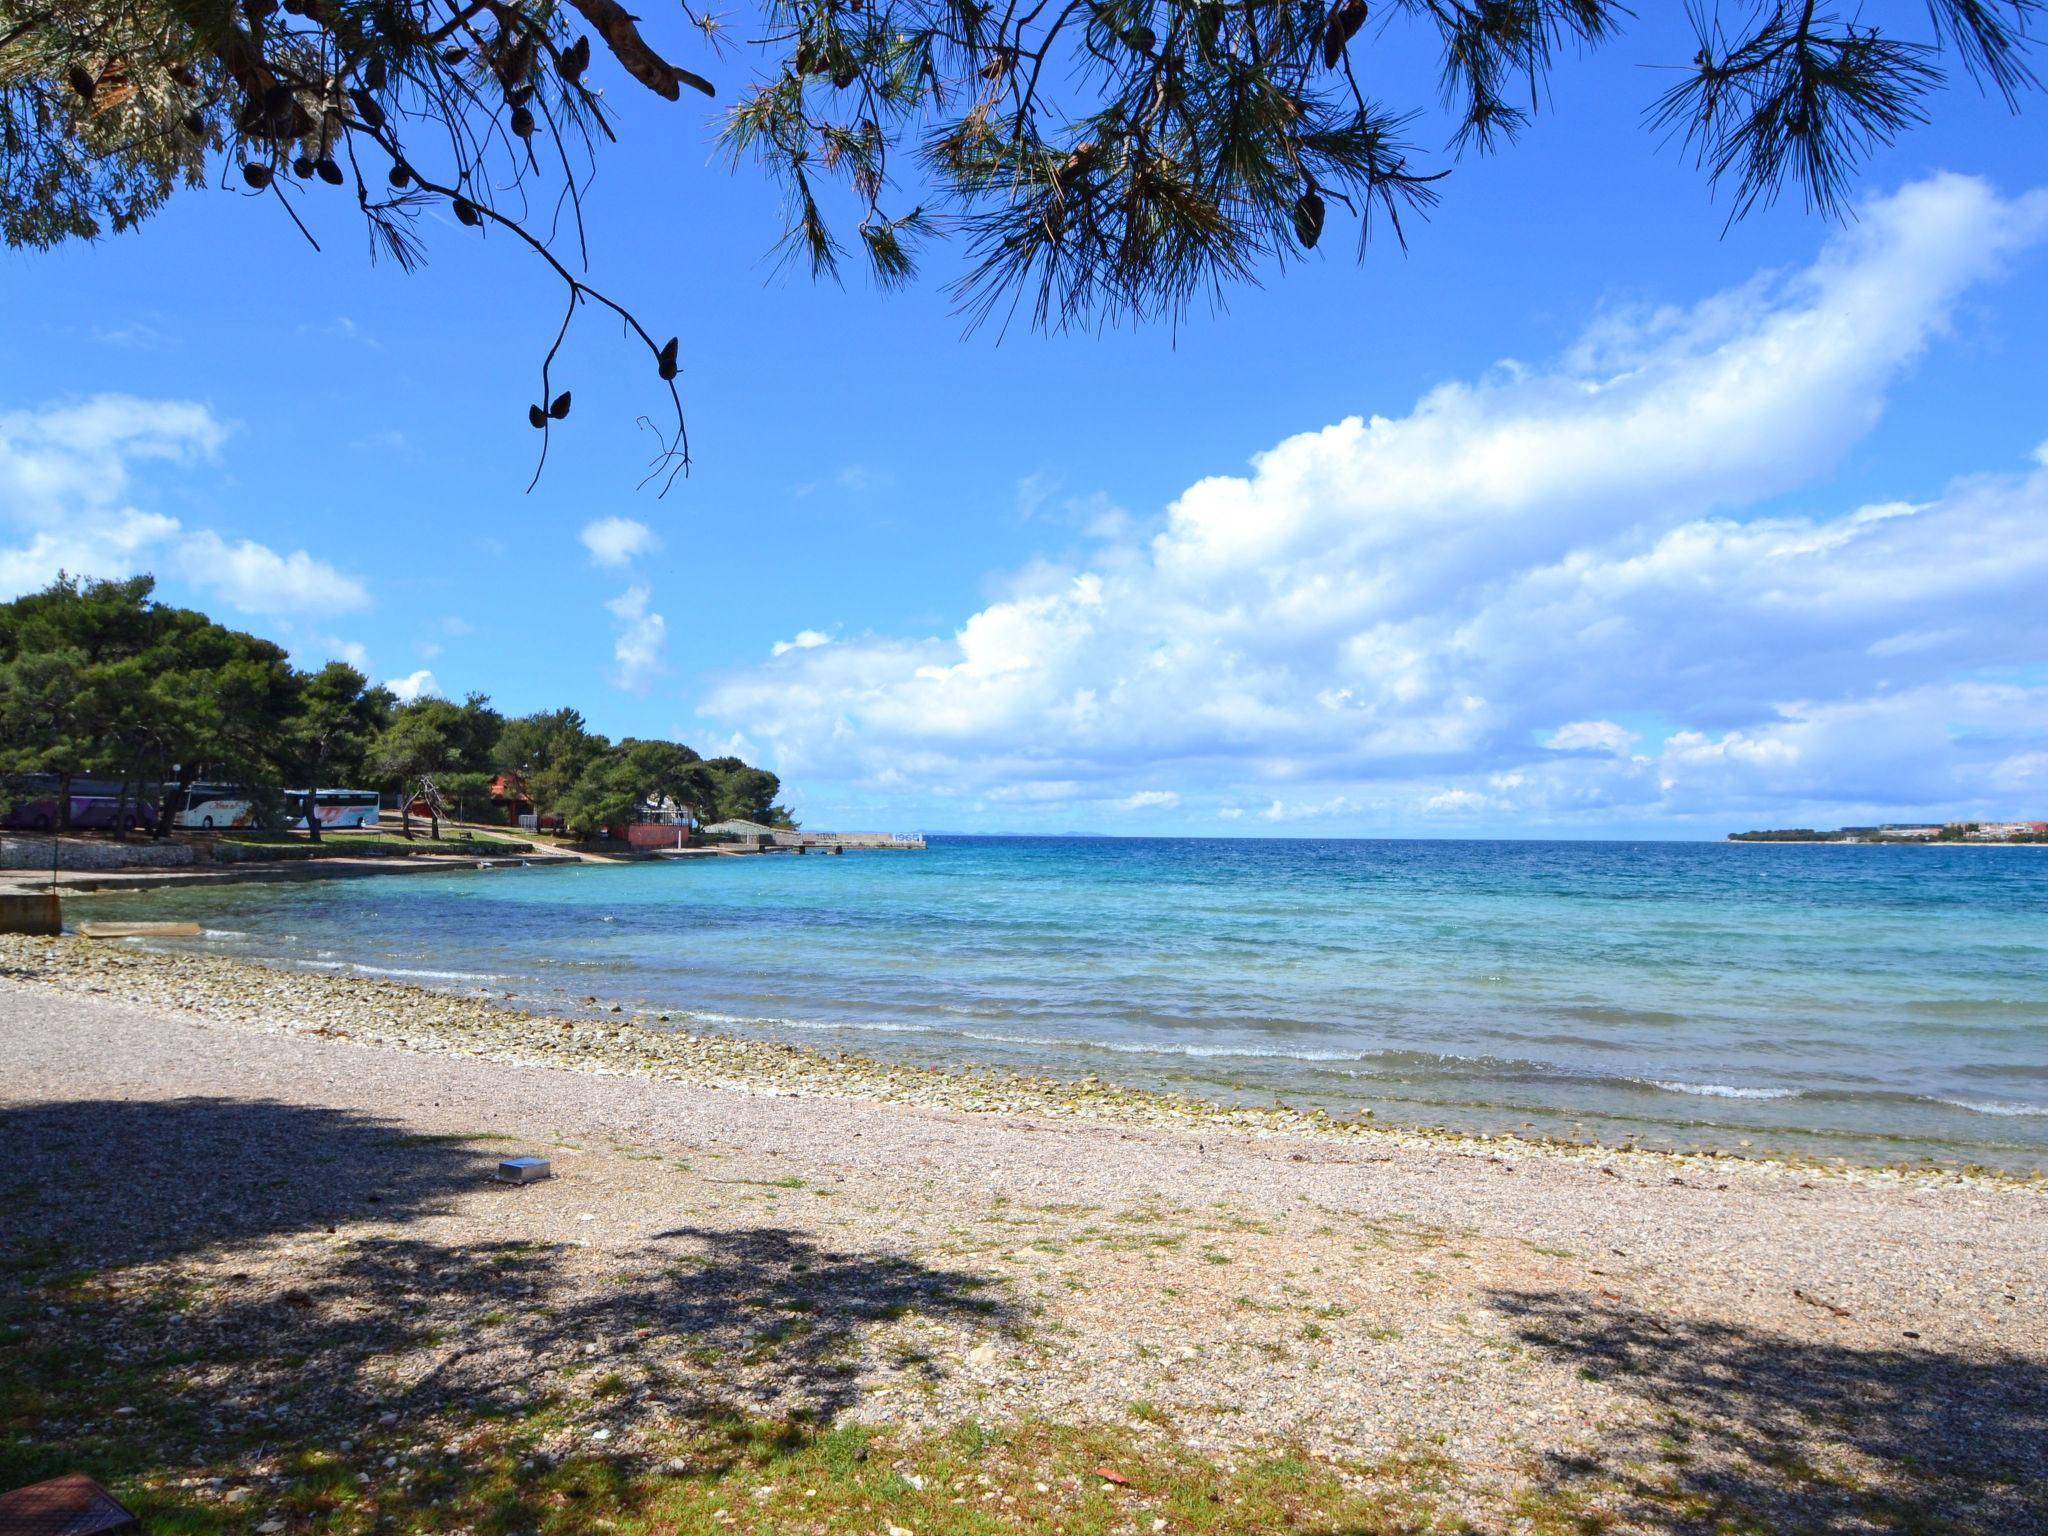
point(108, 1181)
point(207, 1287)
point(1756, 1429)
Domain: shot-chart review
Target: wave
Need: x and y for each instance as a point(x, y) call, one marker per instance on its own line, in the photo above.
point(419, 974)
point(1352, 1058)
point(1043, 1042)
point(1978, 1107)
point(864, 1026)
point(1722, 1090)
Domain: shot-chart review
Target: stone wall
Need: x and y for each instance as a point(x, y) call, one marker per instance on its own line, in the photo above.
point(26, 851)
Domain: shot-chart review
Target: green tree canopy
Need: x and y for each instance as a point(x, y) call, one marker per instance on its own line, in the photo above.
point(746, 793)
point(97, 677)
point(428, 738)
point(1099, 158)
point(616, 784)
point(669, 774)
point(547, 752)
point(337, 717)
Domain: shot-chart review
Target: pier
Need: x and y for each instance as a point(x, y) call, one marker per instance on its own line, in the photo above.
point(756, 837)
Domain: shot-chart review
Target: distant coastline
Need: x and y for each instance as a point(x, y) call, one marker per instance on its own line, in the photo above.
point(1976, 834)
point(1886, 842)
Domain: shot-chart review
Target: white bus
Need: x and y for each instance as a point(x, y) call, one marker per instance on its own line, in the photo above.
point(335, 807)
point(212, 806)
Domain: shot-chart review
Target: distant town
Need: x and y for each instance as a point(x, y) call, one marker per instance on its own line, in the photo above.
point(1907, 832)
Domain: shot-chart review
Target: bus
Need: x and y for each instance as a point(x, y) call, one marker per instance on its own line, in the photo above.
point(336, 807)
point(96, 805)
point(212, 806)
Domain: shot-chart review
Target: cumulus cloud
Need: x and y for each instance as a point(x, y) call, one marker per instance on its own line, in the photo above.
point(354, 652)
point(66, 475)
point(1591, 736)
point(119, 543)
point(414, 685)
point(642, 635)
point(615, 541)
point(1449, 610)
point(1456, 800)
point(806, 640)
point(257, 579)
point(63, 459)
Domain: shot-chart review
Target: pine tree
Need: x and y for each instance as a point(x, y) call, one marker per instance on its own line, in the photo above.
point(1099, 158)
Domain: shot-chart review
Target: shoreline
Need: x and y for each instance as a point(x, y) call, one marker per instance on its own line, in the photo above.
point(613, 1041)
point(924, 1295)
point(109, 882)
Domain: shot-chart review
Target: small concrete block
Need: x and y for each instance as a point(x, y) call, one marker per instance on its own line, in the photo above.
point(524, 1170)
point(34, 912)
point(71, 1505)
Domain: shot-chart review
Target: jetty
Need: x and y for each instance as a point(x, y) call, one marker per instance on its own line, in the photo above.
point(757, 837)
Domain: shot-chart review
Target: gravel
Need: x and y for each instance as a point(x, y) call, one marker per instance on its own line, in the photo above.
point(786, 1231)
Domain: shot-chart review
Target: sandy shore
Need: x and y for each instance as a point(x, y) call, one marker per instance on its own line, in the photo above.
point(1525, 1334)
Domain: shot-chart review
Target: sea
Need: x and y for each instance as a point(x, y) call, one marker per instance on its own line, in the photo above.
point(1826, 1000)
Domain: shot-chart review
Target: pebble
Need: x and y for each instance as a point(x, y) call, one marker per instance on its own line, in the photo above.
point(1120, 1335)
point(392, 1013)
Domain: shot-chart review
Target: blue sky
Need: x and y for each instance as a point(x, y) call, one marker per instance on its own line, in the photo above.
point(1643, 529)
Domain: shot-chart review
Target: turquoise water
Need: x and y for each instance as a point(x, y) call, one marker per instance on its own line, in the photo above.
point(1831, 1000)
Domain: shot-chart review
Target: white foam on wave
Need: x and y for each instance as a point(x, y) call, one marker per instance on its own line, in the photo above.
point(864, 1026)
point(1166, 1048)
point(1981, 1107)
point(1725, 1091)
point(422, 974)
point(1053, 1042)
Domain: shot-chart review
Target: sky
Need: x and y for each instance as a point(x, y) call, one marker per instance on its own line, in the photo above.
point(1588, 516)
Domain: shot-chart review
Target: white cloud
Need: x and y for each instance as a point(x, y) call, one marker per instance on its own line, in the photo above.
point(1591, 736)
point(62, 459)
point(641, 638)
point(333, 648)
point(257, 579)
point(616, 541)
point(1149, 800)
point(1040, 791)
point(119, 543)
point(2023, 773)
point(1386, 614)
point(806, 640)
point(66, 474)
point(414, 685)
point(1308, 810)
point(1456, 800)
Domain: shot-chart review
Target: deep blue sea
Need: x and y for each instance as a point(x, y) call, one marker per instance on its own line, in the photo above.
point(1824, 999)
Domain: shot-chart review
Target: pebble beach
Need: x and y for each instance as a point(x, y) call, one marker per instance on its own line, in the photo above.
point(1520, 1330)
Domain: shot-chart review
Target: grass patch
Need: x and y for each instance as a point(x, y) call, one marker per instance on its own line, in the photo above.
point(174, 1433)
